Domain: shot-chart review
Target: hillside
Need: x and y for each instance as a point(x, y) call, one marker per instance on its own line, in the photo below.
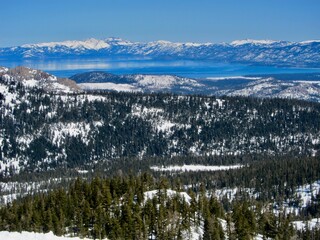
point(100, 80)
point(45, 129)
point(31, 78)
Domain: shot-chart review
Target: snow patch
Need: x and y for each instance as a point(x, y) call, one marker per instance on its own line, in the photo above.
point(301, 225)
point(305, 192)
point(10, 98)
point(60, 131)
point(149, 195)
point(3, 69)
point(82, 171)
point(194, 168)
point(310, 41)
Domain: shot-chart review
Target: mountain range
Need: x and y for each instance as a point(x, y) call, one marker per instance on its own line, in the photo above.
point(255, 52)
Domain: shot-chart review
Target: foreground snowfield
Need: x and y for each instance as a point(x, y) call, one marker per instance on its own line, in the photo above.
point(194, 235)
point(34, 236)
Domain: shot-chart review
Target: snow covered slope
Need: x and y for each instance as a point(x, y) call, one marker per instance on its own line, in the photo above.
point(272, 88)
point(137, 83)
point(32, 78)
point(265, 52)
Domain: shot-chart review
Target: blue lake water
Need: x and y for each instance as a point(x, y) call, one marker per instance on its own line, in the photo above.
point(186, 68)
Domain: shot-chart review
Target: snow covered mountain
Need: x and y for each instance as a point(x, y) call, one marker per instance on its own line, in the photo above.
point(261, 52)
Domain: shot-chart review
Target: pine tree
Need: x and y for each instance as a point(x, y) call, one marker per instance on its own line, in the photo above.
point(212, 229)
point(47, 224)
point(244, 220)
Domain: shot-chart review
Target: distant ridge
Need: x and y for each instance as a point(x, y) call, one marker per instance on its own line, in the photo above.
point(93, 43)
point(292, 86)
point(248, 51)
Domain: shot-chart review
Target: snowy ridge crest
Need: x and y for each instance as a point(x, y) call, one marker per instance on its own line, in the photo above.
point(31, 78)
point(91, 43)
point(252, 41)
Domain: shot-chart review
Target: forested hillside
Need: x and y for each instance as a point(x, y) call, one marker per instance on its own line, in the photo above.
point(43, 130)
point(259, 161)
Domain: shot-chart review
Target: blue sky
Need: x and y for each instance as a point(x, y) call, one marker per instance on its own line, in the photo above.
point(35, 21)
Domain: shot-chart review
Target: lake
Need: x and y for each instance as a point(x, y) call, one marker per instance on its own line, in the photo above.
point(185, 68)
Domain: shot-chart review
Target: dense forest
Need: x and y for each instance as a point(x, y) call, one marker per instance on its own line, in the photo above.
point(119, 208)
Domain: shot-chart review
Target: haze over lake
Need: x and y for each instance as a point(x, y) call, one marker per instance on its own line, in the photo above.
point(185, 68)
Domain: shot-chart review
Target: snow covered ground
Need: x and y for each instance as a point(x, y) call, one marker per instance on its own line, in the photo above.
point(302, 193)
point(313, 223)
point(10, 191)
point(194, 234)
point(231, 193)
point(109, 86)
point(9, 97)
point(305, 192)
point(34, 236)
point(194, 168)
point(170, 193)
